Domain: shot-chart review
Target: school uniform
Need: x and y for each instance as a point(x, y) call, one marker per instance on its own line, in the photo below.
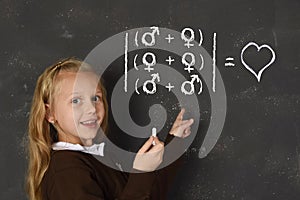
point(76, 174)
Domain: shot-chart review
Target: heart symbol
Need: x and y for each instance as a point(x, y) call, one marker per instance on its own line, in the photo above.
point(258, 76)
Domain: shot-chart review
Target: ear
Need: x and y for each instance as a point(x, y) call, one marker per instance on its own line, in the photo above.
point(49, 114)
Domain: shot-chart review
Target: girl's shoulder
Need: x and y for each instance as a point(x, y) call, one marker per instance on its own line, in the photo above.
point(65, 159)
point(67, 170)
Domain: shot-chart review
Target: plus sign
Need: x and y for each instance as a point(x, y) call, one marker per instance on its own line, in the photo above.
point(170, 60)
point(169, 86)
point(189, 69)
point(188, 44)
point(169, 38)
point(148, 68)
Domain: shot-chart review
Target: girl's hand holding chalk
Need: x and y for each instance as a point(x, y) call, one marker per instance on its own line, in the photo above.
point(149, 157)
point(181, 128)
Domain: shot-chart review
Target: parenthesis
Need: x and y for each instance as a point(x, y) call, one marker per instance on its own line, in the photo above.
point(201, 87)
point(135, 39)
point(136, 83)
point(134, 62)
point(202, 62)
point(201, 37)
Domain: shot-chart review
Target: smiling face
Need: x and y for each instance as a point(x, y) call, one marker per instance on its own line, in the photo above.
point(78, 109)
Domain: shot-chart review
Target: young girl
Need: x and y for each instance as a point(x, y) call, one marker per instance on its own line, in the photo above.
point(68, 109)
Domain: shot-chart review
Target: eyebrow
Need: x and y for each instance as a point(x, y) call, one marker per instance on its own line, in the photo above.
point(73, 93)
point(97, 91)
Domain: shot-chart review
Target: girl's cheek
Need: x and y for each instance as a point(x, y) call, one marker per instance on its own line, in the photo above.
point(100, 107)
point(77, 112)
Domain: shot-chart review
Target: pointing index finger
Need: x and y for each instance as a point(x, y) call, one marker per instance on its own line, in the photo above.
point(180, 115)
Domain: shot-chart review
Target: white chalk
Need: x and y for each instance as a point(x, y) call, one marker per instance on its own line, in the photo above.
point(153, 134)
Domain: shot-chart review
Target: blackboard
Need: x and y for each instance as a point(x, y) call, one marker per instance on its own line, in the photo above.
point(257, 153)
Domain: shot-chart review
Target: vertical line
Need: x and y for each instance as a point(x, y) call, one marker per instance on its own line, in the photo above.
point(126, 62)
point(214, 62)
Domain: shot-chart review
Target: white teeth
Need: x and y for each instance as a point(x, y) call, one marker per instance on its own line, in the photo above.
point(89, 122)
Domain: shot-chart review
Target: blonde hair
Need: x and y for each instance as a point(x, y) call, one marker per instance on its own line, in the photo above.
point(42, 134)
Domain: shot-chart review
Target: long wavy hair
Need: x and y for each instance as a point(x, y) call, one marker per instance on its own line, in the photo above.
point(41, 133)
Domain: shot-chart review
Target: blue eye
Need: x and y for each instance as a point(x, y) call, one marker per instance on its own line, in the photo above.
point(76, 100)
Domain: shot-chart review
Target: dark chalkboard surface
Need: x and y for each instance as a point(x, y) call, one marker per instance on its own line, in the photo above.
point(257, 154)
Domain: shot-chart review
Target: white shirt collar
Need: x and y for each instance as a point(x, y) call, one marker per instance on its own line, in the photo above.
point(96, 149)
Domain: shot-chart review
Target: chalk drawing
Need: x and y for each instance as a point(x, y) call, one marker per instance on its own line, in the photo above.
point(229, 62)
point(136, 39)
point(136, 86)
point(152, 82)
point(202, 62)
point(134, 62)
point(126, 62)
point(201, 37)
point(214, 62)
point(192, 86)
point(186, 39)
point(149, 65)
point(169, 87)
point(259, 74)
point(155, 30)
point(169, 38)
point(189, 65)
point(170, 60)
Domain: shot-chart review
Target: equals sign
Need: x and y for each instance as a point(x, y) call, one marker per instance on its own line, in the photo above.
point(229, 62)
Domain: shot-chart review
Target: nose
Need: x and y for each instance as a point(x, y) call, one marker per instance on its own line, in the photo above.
point(90, 107)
